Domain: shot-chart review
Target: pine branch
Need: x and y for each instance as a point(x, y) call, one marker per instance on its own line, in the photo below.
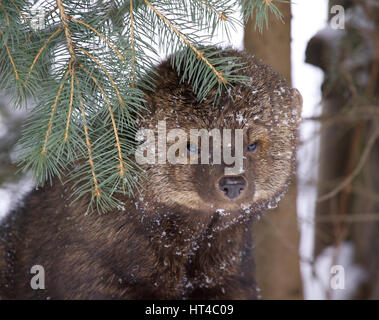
point(261, 9)
point(132, 40)
point(199, 54)
point(55, 33)
point(72, 71)
point(106, 73)
point(121, 167)
point(99, 34)
point(54, 109)
point(10, 57)
point(96, 188)
point(88, 67)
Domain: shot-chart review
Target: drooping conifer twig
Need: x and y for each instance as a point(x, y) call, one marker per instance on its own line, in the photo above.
point(97, 190)
point(99, 34)
point(106, 73)
point(71, 101)
point(53, 35)
point(53, 110)
point(132, 44)
point(199, 54)
point(10, 57)
point(86, 66)
point(121, 167)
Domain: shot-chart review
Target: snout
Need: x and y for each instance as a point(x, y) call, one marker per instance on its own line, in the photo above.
point(232, 186)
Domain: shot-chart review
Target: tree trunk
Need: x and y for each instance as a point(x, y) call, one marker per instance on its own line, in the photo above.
point(277, 233)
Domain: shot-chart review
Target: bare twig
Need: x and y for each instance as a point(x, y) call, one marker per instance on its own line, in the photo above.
point(357, 169)
point(356, 217)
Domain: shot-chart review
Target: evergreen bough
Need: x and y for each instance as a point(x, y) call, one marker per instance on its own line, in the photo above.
point(85, 63)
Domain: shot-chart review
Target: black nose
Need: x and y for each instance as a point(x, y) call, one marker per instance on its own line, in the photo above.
point(232, 186)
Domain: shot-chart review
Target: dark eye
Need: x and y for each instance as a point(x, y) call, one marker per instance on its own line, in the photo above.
point(252, 147)
point(191, 148)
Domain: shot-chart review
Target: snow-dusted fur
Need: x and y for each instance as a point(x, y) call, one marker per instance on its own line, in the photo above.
point(181, 238)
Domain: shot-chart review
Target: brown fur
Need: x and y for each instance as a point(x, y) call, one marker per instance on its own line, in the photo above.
point(171, 241)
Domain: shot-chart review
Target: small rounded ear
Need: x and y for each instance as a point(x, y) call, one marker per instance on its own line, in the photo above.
point(297, 103)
